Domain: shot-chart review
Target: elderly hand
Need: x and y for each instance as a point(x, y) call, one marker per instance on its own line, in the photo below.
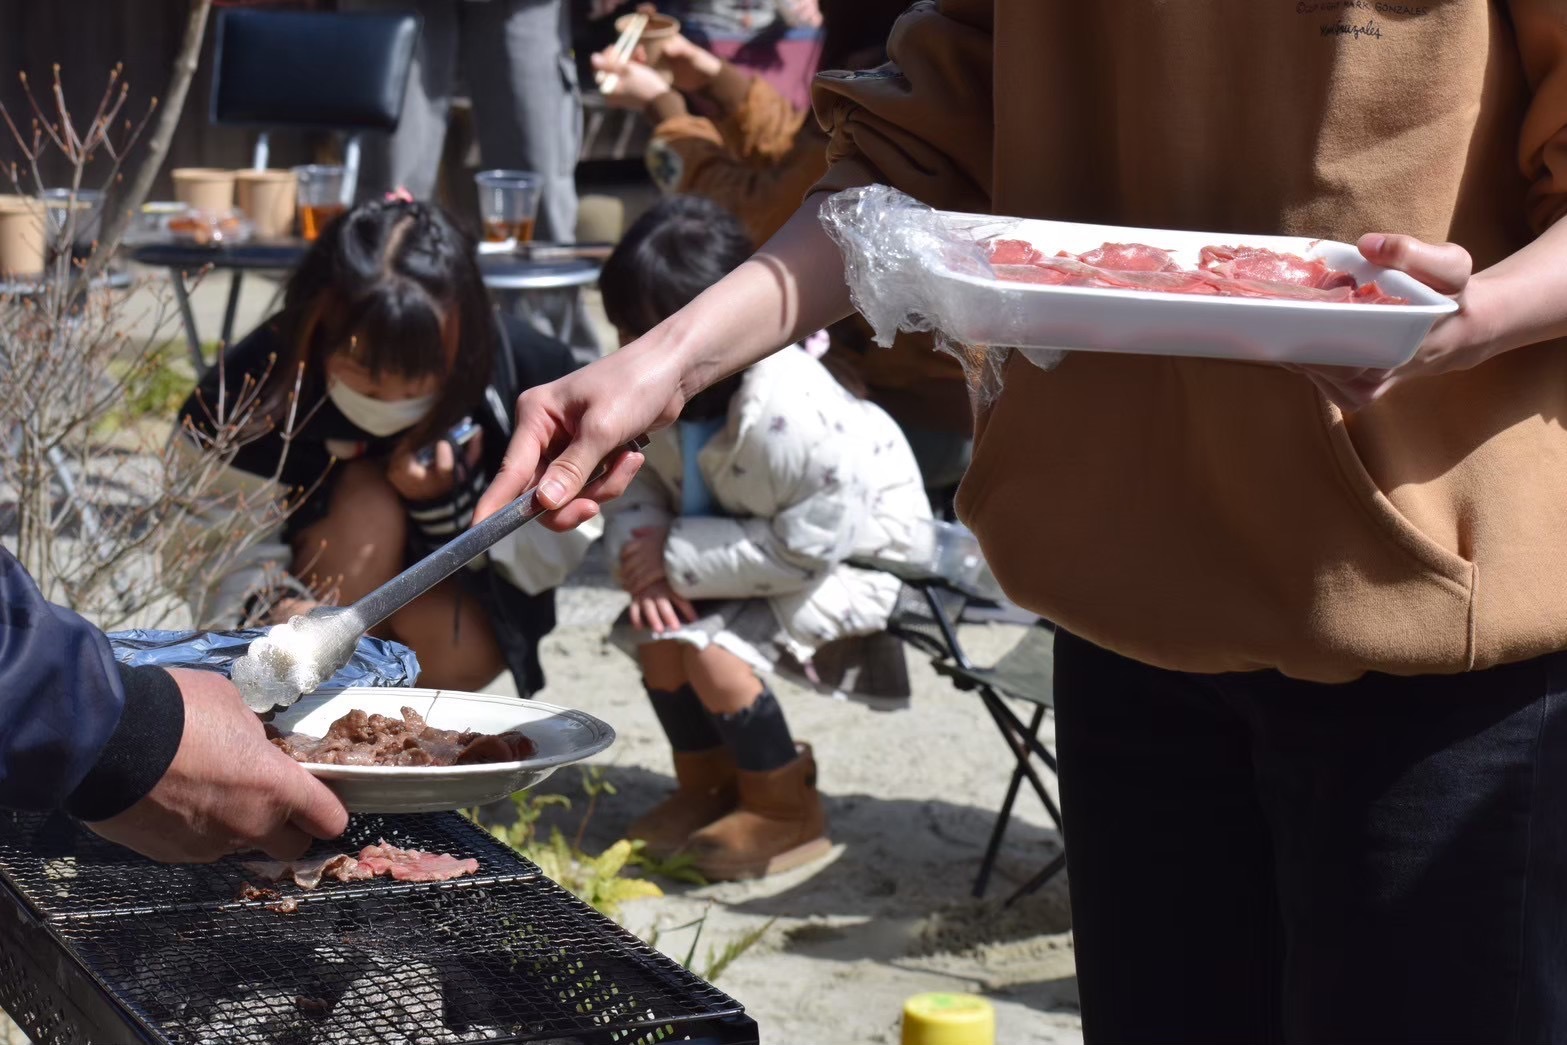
point(1458, 341)
point(228, 790)
point(635, 84)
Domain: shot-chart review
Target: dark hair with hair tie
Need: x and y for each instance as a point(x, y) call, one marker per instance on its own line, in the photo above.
point(679, 248)
point(396, 284)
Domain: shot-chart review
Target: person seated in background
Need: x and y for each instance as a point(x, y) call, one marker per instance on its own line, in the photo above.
point(733, 543)
point(775, 40)
point(758, 159)
point(390, 336)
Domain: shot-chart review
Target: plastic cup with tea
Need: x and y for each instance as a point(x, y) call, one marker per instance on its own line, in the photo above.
point(206, 189)
point(267, 197)
point(320, 194)
point(77, 213)
point(508, 205)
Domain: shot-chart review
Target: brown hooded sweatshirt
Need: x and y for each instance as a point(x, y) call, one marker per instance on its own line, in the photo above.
point(1220, 516)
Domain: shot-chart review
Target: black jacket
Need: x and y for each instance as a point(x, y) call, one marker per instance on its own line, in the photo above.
point(77, 731)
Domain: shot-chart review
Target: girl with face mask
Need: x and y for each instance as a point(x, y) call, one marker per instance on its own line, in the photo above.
point(388, 331)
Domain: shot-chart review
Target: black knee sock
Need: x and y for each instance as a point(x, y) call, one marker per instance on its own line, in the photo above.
point(758, 736)
point(685, 721)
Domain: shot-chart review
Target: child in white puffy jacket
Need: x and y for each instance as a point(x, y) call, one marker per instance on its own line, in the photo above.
point(734, 542)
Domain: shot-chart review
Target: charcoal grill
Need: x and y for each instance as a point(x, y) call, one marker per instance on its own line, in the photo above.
point(99, 945)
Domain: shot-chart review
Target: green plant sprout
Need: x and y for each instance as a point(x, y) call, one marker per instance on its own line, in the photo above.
point(603, 881)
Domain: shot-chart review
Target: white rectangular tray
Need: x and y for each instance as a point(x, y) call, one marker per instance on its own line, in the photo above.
point(980, 310)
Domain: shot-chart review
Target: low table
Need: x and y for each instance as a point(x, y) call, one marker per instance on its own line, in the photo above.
point(100, 945)
point(512, 276)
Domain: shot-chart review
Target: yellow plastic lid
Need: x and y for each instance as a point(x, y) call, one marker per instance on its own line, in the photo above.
point(948, 1019)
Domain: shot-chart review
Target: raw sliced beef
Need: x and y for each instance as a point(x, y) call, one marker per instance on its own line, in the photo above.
point(1013, 252)
point(403, 865)
point(1373, 294)
point(1037, 274)
point(1081, 273)
point(1130, 257)
point(1247, 272)
point(415, 865)
point(1268, 266)
point(1233, 287)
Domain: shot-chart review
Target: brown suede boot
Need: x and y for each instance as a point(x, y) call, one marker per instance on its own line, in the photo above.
point(706, 791)
point(780, 825)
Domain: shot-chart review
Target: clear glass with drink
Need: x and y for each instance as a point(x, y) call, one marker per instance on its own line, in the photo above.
point(320, 197)
point(77, 211)
point(508, 205)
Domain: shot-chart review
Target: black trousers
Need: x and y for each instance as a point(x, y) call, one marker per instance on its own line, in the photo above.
point(1257, 859)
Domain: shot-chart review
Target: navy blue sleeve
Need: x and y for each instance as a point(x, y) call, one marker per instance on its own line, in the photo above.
point(77, 731)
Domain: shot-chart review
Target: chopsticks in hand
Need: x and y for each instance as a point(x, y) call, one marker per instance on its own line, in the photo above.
point(625, 47)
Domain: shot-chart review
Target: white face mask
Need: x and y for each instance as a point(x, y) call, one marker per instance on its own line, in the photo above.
point(379, 417)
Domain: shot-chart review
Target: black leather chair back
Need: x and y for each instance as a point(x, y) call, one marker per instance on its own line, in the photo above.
point(319, 70)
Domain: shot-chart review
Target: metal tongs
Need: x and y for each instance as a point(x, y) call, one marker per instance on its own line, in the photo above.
point(336, 630)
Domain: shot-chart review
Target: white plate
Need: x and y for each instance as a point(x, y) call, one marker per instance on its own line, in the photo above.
point(980, 310)
point(561, 736)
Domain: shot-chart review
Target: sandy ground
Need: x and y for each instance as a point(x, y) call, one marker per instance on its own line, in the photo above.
point(911, 798)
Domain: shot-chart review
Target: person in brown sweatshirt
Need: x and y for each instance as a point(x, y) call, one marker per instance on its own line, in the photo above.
point(1310, 682)
point(757, 155)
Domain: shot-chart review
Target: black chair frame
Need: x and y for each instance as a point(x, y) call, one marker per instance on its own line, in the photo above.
point(937, 638)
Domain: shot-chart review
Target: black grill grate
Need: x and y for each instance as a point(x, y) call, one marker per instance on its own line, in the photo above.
point(508, 961)
point(63, 870)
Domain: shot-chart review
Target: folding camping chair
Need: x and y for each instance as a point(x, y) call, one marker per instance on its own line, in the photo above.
point(925, 618)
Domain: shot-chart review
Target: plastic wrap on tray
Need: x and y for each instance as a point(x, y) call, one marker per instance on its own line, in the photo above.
point(887, 239)
point(377, 662)
point(987, 286)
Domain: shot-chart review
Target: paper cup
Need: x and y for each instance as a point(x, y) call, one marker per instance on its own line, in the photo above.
point(24, 235)
point(660, 29)
point(267, 198)
point(204, 188)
